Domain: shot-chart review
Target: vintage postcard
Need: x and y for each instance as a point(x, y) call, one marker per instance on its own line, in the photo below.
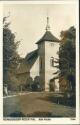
point(39, 62)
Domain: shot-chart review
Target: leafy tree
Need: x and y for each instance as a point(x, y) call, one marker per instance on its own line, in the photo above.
point(10, 55)
point(67, 56)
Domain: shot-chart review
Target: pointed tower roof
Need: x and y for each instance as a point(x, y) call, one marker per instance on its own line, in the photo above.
point(47, 26)
point(48, 36)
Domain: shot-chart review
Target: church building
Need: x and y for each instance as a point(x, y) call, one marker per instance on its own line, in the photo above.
point(42, 61)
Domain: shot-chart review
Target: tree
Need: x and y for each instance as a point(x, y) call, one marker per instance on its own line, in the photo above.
point(10, 55)
point(67, 56)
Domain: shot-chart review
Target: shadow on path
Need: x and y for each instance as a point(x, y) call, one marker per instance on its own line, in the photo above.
point(34, 114)
point(59, 100)
point(17, 114)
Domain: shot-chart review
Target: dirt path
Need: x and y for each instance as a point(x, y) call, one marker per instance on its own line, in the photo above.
point(36, 104)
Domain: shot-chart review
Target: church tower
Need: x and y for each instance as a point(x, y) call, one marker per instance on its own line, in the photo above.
point(48, 46)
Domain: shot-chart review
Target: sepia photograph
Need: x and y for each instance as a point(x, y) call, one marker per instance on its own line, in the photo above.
point(39, 61)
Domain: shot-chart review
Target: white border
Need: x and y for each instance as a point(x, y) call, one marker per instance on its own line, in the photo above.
point(1, 61)
point(54, 120)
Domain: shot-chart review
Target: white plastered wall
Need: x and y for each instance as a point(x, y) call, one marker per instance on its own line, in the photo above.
point(35, 69)
point(51, 49)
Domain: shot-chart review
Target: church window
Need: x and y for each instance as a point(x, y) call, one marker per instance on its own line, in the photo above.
point(52, 61)
point(52, 44)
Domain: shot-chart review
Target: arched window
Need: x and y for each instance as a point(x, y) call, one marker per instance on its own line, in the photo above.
point(51, 44)
point(52, 61)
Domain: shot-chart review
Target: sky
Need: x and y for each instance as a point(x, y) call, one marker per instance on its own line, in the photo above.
point(28, 22)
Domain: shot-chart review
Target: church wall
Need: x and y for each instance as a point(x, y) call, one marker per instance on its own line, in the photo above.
point(41, 54)
point(50, 51)
point(35, 69)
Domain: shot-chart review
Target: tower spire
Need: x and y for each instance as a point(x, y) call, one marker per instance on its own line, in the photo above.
point(47, 26)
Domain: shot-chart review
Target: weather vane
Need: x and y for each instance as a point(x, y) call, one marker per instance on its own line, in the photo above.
point(47, 26)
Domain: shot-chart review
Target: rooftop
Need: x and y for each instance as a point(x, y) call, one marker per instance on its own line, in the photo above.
point(48, 36)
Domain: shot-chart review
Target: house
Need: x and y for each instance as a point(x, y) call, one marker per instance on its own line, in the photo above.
point(41, 62)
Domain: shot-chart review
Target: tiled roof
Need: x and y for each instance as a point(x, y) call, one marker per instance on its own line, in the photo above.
point(31, 55)
point(48, 36)
point(22, 68)
point(27, 63)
